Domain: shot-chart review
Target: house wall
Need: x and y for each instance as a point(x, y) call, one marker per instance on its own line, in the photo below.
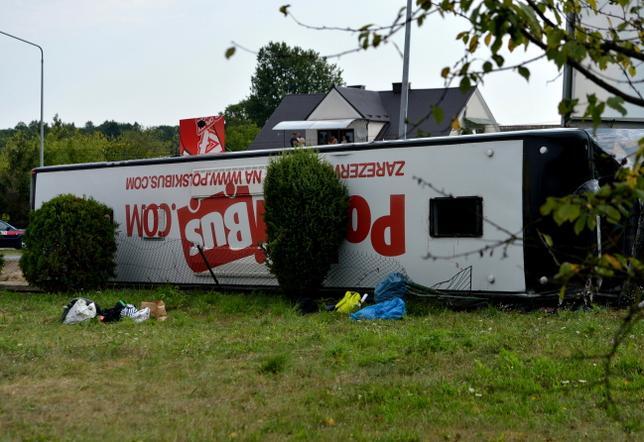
point(333, 107)
point(477, 108)
point(360, 131)
point(373, 129)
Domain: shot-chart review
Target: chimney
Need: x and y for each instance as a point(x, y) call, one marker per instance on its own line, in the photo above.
point(397, 87)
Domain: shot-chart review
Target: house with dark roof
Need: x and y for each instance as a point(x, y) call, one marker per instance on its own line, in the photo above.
point(354, 114)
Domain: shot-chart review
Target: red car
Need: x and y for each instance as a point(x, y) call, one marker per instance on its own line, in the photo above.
point(10, 236)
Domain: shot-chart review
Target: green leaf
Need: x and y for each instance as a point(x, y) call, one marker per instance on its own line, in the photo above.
point(438, 114)
point(617, 104)
point(424, 4)
point(567, 270)
point(474, 44)
point(284, 9)
point(611, 212)
point(465, 84)
point(566, 212)
point(498, 59)
point(550, 205)
point(230, 51)
point(562, 293)
point(567, 106)
point(524, 72)
point(580, 224)
point(602, 271)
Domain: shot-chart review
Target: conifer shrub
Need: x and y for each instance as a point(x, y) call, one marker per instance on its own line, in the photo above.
point(306, 219)
point(70, 245)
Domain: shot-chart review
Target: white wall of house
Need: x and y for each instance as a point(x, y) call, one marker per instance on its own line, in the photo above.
point(360, 132)
point(373, 129)
point(333, 107)
point(477, 108)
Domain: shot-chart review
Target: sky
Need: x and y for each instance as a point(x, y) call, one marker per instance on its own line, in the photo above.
point(158, 61)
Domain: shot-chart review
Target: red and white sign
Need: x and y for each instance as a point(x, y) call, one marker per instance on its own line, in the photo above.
point(200, 136)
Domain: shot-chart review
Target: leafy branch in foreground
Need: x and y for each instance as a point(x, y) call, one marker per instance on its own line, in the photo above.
point(615, 203)
point(499, 26)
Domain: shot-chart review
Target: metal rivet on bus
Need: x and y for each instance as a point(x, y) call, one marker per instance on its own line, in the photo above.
point(543, 150)
point(489, 153)
point(491, 279)
point(543, 280)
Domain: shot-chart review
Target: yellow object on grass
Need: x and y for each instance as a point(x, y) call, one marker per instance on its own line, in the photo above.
point(349, 303)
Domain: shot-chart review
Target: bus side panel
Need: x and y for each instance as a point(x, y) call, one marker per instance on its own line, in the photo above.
point(164, 209)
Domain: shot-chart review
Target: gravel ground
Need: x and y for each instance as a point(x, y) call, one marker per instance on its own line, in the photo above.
point(11, 273)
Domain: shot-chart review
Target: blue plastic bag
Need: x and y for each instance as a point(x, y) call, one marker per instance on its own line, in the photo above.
point(392, 309)
point(393, 286)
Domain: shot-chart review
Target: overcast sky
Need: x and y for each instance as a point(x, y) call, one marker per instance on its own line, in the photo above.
point(157, 61)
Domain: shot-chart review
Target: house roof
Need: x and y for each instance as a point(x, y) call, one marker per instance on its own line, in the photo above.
point(367, 103)
point(420, 102)
point(381, 106)
point(292, 107)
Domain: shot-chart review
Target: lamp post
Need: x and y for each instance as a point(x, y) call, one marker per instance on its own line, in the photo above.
point(42, 88)
point(404, 92)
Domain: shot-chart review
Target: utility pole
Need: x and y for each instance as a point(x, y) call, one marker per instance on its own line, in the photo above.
point(42, 93)
point(404, 92)
point(568, 72)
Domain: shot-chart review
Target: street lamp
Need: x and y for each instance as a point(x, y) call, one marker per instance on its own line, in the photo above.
point(42, 87)
point(404, 92)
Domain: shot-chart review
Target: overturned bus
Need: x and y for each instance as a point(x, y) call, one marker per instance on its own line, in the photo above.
point(459, 215)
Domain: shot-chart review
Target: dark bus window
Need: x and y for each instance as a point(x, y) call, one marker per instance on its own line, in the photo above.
point(456, 217)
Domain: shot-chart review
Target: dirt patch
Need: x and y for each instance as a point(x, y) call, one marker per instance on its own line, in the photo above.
point(11, 273)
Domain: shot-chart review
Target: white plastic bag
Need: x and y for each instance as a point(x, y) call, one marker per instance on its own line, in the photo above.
point(79, 310)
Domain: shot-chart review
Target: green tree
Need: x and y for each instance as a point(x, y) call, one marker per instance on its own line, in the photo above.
point(239, 136)
point(283, 70)
point(237, 113)
point(67, 144)
point(306, 218)
point(70, 245)
point(17, 158)
point(136, 144)
point(240, 129)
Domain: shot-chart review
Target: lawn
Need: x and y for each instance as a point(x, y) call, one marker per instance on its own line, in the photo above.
point(248, 367)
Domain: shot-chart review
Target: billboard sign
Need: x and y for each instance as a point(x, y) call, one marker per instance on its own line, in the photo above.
point(201, 136)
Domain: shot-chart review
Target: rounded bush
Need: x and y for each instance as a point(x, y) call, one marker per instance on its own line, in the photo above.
point(306, 220)
point(70, 245)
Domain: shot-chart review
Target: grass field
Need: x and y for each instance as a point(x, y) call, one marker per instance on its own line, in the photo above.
point(248, 367)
